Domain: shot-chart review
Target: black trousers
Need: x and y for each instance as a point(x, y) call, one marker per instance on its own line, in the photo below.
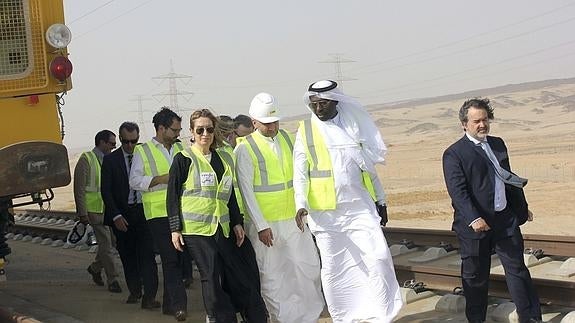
point(136, 250)
point(175, 298)
point(475, 268)
point(230, 279)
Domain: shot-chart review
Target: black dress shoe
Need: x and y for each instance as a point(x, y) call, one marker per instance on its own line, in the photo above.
point(150, 304)
point(181, 315)
point(133, 299)
point(114, 287)
point(96, 276)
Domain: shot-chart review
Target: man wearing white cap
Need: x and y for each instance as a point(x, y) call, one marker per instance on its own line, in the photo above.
point(335, 180)
point(287, 258)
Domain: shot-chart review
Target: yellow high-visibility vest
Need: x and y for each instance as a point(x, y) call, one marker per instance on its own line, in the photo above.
point(273, 181)
point(321, 191)
point(205, 199)
point(93, 197)
point(155, 164)
point(228, 149)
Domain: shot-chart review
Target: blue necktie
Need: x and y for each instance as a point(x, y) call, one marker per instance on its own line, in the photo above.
point(506, 176)
point(132, 197)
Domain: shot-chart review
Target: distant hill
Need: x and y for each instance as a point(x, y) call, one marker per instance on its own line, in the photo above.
point(509, 88)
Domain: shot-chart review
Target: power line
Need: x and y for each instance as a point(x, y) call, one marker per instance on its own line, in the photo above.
point(387, 90)
point(90, 12)
point(113, 19)
point(479, 46)
point(489, 74)
point(337, 59)
point(449, 44)
point(140, 98)
point(221, 85)
point(173, 92)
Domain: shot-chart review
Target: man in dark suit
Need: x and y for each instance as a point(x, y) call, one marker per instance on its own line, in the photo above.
point(489, 206)
point(125, 214)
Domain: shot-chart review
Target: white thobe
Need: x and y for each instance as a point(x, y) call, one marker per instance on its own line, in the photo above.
point(289, 270)
point(357, 269)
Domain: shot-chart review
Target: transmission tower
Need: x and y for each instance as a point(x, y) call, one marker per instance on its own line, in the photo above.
point(337, 59)
point(140, 98)
point(173, 91)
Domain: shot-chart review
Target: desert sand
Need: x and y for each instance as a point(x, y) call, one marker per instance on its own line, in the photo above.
point(537, 121)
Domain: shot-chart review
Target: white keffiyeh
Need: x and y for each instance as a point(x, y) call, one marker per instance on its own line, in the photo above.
point(355, 120)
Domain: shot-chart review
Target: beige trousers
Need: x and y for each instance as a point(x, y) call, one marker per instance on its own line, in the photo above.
point(105, 256)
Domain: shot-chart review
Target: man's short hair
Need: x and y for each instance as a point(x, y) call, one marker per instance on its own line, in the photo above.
point(129, 126)
point(226, 124)
point(104, 136)
point(165, 117)
point(244, 120)
point(477, 103)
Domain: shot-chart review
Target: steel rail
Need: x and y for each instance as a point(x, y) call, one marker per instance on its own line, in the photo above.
point(552, 245)
point(553, 292)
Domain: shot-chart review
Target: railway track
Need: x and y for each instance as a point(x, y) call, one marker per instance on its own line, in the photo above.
point(50, 227)
point(430, 257)
point(427, 257)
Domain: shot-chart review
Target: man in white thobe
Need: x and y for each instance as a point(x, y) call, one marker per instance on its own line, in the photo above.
point(286, 257)
point(334, 173)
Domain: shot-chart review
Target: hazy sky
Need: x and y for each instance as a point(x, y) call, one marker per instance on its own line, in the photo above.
point(236, 49)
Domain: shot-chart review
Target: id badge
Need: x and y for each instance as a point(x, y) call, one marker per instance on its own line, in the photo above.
point(208, 179)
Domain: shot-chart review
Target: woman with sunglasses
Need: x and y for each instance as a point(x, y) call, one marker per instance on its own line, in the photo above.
point(204, 217)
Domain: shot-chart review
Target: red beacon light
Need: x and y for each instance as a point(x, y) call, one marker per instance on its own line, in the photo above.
point(61, 68)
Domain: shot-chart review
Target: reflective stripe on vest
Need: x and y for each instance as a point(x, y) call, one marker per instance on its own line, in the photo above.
point(228, 149)
point(93, 198)
point(155, 164)
point(204, 200)
point(273, 181)
point(321, 192)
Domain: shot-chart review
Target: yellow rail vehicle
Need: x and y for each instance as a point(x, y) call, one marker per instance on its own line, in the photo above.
point(34, 75)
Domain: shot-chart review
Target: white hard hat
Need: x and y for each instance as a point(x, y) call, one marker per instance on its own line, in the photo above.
point(264, 108)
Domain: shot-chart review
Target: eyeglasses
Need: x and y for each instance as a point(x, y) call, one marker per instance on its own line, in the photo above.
point(322, 103)
point(200, 130)
point(126, 141)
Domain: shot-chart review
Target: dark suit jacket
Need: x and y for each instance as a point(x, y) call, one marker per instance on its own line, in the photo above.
point(470, 180)
point(114, 186)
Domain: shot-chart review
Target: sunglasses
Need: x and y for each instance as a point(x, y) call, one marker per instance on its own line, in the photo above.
point(200, 130)
point(322, 103)
point(126, 141)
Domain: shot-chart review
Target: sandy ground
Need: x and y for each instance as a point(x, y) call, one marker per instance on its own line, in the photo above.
point(537, 126)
